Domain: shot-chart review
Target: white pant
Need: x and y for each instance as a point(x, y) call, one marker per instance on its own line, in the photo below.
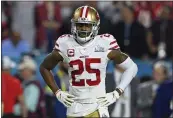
point(79, 110)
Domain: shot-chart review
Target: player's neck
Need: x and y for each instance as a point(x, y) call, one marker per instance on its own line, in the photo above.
point(90, 42)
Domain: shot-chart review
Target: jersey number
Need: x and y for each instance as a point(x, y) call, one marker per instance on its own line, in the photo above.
point(88, 62)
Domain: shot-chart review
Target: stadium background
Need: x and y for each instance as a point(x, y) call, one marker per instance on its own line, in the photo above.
point(147, 42)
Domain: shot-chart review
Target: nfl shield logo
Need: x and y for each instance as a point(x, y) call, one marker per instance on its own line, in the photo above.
point(70, 52)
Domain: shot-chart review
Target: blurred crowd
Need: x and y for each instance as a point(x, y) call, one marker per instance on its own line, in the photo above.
point(144, 30)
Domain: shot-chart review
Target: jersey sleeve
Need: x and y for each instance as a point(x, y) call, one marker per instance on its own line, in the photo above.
point(113, 45)
point(110, 42)
point(60, 45)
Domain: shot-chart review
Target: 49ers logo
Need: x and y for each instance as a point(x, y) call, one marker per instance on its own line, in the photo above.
point(70, 52)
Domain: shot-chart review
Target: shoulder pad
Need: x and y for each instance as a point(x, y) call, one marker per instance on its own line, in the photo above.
point(61, 40)
point(112, 42)
point(63, 37)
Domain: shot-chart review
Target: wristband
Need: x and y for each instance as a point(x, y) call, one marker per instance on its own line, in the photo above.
point(120, 91)
point(57, 91)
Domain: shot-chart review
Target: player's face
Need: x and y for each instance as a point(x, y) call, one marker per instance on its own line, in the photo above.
point(84, 29)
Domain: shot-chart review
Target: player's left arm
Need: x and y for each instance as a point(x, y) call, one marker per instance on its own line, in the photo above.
point(126, 63)
point(130, 71)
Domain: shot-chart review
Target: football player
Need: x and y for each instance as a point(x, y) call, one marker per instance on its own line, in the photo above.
point(87, 55)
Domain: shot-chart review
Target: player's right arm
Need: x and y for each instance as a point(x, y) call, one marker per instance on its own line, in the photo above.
point(46, 66)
